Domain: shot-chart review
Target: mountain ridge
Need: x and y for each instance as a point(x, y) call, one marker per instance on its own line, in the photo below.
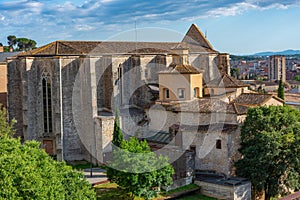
point(284, 53)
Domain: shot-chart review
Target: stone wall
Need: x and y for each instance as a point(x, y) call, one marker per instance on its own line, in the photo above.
point(208, 156)
point(226, 192)
point(78, 124)
point(14, 88)
point(168, 118)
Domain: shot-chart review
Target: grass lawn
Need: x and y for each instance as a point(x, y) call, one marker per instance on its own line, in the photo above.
point(197, 197)
point(111, 191)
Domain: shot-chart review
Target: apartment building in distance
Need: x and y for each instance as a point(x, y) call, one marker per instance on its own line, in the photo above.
point(277, 68)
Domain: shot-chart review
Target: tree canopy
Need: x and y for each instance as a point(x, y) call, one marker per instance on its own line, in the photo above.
point(270, 148)
point(139, 171)
point(11, 40)
point(27, 172)
point(24, 44)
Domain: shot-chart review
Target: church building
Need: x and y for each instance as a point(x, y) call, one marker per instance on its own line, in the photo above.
point(65, 93)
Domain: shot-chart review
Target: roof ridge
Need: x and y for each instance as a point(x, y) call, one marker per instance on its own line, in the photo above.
point(35, 51)
point(194, 27)
point(235, 108)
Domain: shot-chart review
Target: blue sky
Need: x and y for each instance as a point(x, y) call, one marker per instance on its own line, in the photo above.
point(236, 26)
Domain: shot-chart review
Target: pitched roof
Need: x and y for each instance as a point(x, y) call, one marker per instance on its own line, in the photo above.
point(196, 37)
point(254, 99)
point(247, 100)
point(5, 55)
point(160, 137)
point(225, 81)
point(203, 105)
point(194, 41)
point(181, 69)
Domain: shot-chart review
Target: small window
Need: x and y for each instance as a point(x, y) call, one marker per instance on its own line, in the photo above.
point(196, 92)
point(146, 73)
point(219, 144)
point(193, 148)
point(167, 93)
point(180, 93)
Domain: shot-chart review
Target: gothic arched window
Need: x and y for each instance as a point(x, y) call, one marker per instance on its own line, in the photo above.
point(47, 102)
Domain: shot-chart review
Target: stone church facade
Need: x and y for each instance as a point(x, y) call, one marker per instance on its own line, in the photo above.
point(64, 95)
point(48, 86)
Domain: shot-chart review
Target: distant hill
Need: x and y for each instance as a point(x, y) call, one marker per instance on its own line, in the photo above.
point(285, 53)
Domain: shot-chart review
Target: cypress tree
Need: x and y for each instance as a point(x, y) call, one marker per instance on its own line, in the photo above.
point(280, 92)
point(117, 135)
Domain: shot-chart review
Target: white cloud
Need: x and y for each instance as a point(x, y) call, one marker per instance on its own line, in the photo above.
point(232, 10)
point(67, 6)
point(2, 17)
point(83, 27)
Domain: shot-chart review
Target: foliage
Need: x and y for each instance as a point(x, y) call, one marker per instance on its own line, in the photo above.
point(234, 72)
point(297, 78)
point(6, 129)
point(117, 134)
point(27, 172)
point(82, 166)
point(270, 148)
point(11, 40)
point(24, 44)
point(246, 58)
point(280, 92)
point(139, 171)
point(261, 90)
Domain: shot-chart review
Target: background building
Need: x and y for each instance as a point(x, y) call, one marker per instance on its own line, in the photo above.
point(277, 68)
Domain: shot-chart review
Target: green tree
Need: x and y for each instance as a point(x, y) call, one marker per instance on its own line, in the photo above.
point(6, 129)
point(234, 72)
point(270, 148)
point(27, 172)
point(297, 78)
point(25, 44)
point(11, 40)
point(117, 134)
point(280, 91)
point(139, 171)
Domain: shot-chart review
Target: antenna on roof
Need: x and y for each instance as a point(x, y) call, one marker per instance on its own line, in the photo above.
point(135, 36)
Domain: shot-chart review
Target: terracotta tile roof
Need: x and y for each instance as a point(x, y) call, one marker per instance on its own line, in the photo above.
point(194, 41)
point(98, 47)
point(247, 100)
point(182, 69)
point(203, 105)
point(240, 109)
point(252, 99)
point(225, 81)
